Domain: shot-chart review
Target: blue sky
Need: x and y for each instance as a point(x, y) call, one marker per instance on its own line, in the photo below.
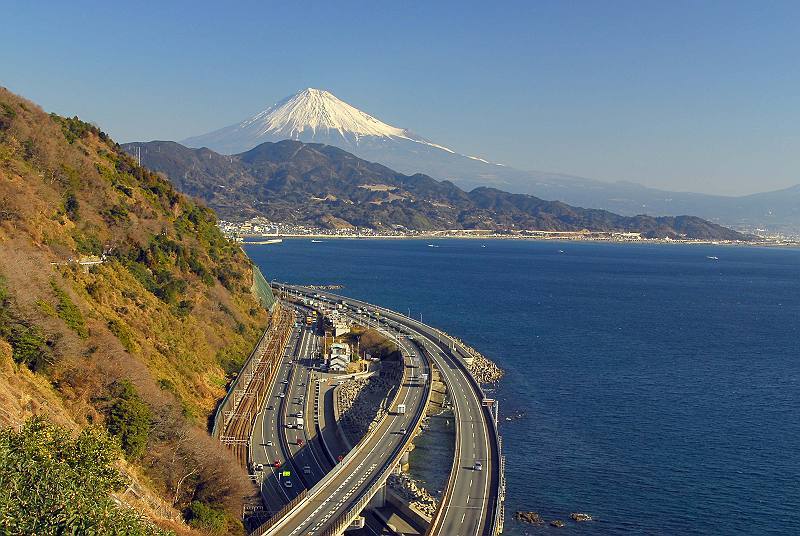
point(684, 95)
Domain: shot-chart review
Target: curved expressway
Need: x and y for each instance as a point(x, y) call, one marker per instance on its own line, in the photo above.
point(351, 482)
point(471, 505)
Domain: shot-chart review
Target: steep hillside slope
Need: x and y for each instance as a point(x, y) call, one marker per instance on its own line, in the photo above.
point(322, 185)
point(120, 303)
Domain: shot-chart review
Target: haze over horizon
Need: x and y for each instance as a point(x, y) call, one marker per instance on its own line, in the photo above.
point(676, 96)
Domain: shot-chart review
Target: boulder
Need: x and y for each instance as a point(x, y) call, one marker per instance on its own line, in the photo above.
point(529, 517)
point(578, 516)
point(557, 523)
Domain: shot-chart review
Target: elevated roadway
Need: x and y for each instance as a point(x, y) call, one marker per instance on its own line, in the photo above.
point(330, 495)
point(472, 502)
point(354, 479)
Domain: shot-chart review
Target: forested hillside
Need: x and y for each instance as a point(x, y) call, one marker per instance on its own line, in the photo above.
point(321, 185)
point(122, 309)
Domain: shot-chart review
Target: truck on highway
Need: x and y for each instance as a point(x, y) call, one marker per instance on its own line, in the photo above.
point(401, 409)
point(299, 423)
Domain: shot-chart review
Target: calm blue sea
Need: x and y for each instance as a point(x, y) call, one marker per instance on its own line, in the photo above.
point(658, 388)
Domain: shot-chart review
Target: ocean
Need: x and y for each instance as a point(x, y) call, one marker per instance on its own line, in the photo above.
point(655, 387)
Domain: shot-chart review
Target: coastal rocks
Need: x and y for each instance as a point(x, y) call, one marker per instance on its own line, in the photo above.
point(529, 517)
point(534, 518)
point(483, 370)
point(417, 496)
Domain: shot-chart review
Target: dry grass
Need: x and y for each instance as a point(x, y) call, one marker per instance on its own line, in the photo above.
point(60, 200)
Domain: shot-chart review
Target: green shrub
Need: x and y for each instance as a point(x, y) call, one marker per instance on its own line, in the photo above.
point(116, 214)
point(129, 419)
point(28, 345)
point(69, 312)
point(87, 243)
point(71, 206)
point(122, 333)
point(7, 116)
point(204, 517)
point(230, 360)
point(52, 483)
point(184, 308)
point(73, 128)
point(143, 275)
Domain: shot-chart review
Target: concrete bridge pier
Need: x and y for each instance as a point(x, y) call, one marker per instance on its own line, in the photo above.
point(404, 463)
point(379, 499)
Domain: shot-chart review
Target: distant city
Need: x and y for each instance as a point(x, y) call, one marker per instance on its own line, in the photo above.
point(259, 227)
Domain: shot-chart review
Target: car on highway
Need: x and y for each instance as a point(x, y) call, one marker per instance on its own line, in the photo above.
point(281, 395)
point(268, 443)
point(478, 466)
point(299, 413)
point(287, 483)
point(306, 469)
point(402, 431)
point(284, 382)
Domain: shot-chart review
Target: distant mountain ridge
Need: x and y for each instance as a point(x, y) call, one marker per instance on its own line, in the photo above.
point(314, 115)
point(314, 184)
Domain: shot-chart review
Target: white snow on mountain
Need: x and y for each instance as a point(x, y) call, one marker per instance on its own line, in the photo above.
point(317, 116)
point(312, 115)
point(316, 109)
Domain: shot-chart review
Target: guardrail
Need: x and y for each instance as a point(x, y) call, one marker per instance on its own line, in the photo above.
point(497, 462)
point(497, 507)
point(286, 514)
point(264, 527)
point(344, 520)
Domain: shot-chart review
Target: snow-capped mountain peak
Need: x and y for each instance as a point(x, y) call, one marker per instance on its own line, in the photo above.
point(313, 110)
point(310, 115)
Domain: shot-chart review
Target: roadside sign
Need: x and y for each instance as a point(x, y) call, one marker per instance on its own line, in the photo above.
point(287, 473)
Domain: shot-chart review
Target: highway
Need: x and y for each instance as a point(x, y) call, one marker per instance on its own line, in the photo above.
point(470, 501)
point(331, 498)
point(268, 444)
point(275, 435)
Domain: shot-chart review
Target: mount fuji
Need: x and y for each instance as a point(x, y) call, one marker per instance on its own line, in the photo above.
point(318, 116)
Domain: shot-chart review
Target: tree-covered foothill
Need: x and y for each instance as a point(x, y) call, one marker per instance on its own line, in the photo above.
point(52, 483)
point(167, 286)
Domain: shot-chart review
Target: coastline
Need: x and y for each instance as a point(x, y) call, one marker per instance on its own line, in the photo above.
point(554, 403)
point(560, 238)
